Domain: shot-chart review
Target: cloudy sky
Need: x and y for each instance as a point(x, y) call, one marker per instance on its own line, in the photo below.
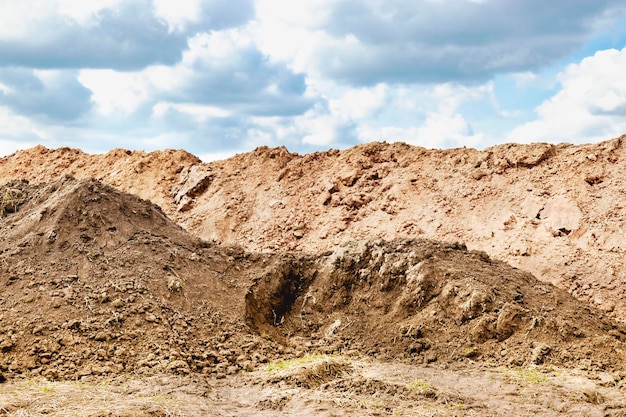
point(218, 77)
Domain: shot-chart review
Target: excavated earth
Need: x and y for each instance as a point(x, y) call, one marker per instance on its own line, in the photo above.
point(348, 271)
point(556, 211)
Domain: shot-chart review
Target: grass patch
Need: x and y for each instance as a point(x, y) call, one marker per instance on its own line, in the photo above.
point(277, 366)
point(419, 385)
point(527, 376)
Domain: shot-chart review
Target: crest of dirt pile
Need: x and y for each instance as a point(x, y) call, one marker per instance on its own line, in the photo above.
point(426, 301)
point(95, 281)
point(149, 175)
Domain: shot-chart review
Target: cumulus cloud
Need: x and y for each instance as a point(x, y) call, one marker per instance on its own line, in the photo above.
point(226, 68)
point(435, 119)
point(13, 126)
point(408, 41)
point(114, 34)
point(219, 77)
point(127, 36)
point(220, 73)
point(590, 105)
point(43, 94)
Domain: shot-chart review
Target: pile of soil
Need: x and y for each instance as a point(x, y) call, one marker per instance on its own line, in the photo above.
point(557, 211)
point(95, 282)
point(424, 301)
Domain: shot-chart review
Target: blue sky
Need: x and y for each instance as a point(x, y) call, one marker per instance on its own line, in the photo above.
point(221, 77)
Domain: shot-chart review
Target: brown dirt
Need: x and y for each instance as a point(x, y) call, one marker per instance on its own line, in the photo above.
point(95, 281)
point(330, 387)
point(556, 211)
point(423, 301)
point(98, 283)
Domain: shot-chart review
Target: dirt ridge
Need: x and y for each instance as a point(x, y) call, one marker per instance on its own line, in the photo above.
point(557, 211)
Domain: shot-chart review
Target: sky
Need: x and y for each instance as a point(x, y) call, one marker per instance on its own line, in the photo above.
point(220, 77)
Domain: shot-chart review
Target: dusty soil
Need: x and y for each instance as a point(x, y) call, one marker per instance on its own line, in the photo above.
point(343, 309)
point(557, 211)
point(327, 386)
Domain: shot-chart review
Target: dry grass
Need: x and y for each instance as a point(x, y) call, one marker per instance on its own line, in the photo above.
point(157, 396)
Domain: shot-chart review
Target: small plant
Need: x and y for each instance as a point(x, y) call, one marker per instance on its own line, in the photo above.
point(419, 385)
point(470, 352)
point(10, 200)
point(299, 361)
point(527, 376)
point(371, 404)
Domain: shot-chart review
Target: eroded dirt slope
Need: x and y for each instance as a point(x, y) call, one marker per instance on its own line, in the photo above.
point(424, 301)
point(557, 211)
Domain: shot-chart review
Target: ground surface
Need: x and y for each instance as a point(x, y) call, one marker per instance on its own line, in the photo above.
point(328, 386)
point(345, 310)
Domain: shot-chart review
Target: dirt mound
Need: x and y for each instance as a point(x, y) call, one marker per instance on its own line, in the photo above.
point(425, 301)
point(557, 211)
point(95, 281)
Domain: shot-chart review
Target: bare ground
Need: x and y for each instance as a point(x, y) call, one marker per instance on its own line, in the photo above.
point(108, 307)
point(328, 386)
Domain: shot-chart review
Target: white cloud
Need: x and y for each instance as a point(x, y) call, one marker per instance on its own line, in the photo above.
point(431, 116)
point(114, 91)
point(216, 156)
point(590, 106)
point(83, 10)
point(219, 47)
point(303, 13)
point(308, 74)
point(359, 103)
point(177, 13)
point(199, 113)
point(437, 131)
point(18, 130)
point(6, 90)
point(408, 41)
point(318, 129)
point(293, 32)
point(26, 18)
